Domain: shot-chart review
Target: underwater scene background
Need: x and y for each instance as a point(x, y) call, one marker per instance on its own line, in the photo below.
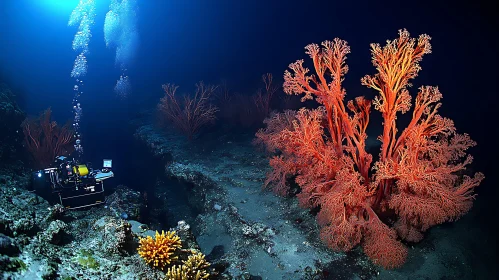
point(248, 139)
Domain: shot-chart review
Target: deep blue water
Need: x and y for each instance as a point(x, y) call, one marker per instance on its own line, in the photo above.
point(184, 42)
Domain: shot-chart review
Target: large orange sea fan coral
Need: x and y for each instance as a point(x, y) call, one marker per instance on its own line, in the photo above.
point(420, 178)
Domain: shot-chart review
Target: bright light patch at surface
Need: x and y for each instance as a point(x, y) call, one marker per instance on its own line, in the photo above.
point(57, 6)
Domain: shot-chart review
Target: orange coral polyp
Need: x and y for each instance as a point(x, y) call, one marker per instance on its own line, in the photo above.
point(158, 251)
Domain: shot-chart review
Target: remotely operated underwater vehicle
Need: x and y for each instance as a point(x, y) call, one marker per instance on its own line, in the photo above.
point(72, 184)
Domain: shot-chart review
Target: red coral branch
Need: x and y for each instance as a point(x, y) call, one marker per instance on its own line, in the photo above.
point(45, 140)
point(263, 98)
point(191, 113)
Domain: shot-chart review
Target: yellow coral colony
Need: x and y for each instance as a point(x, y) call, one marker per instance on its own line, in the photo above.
point(159, 251)
point(197, 263)
point(194, 268)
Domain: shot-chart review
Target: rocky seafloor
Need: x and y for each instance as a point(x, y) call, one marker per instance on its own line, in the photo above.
point(212, 190)
point(272, 237)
